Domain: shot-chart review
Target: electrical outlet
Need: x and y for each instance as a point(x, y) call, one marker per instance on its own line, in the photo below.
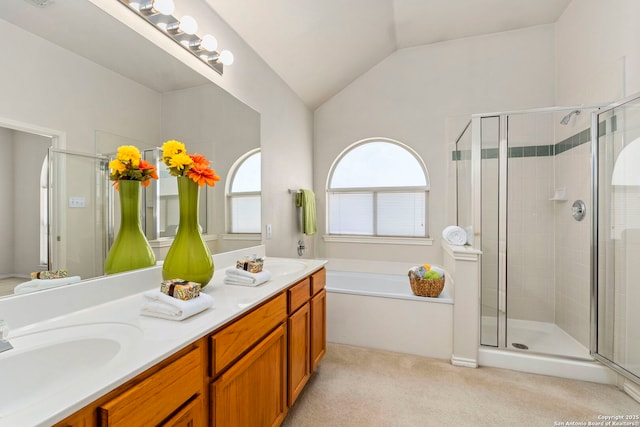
point(268, 231)
point(76, 202)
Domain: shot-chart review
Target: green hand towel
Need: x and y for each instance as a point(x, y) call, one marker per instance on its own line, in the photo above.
point(307, 201)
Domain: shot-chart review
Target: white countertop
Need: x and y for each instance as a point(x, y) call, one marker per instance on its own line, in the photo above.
point(155, 338)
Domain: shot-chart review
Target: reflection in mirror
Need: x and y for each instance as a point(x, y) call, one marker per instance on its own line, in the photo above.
point(244, 194)
point(108, 88)
point(79, 184)
point(24, 211)
point(161, 210)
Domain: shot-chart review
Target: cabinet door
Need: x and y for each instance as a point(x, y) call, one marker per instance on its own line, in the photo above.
point(189, 416)
point(299, 328)
point(318, 328)
point(252, 393)
point(157, 396)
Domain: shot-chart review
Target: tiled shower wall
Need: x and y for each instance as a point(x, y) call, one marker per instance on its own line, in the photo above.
point(530, 218)
point(548, 251)
point(572, 243)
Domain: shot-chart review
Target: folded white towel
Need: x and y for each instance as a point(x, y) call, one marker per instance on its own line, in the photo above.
point(235, 276)
point(454, 235)
point(157, 304)
point(39, 284)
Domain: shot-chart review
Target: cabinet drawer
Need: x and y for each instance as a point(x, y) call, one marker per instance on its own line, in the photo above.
point(298, 294)
point(155, 398)
point(234, 340)
point(318, 281)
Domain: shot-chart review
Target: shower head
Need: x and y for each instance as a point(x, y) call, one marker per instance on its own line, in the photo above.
point(565, 119)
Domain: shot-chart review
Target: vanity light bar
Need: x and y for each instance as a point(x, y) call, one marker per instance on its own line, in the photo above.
point(182, 31)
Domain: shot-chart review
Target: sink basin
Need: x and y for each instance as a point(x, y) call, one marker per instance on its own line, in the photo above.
point(282, 268)
point(45, 362)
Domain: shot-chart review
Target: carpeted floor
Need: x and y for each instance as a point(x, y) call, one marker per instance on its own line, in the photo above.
point(355, 387)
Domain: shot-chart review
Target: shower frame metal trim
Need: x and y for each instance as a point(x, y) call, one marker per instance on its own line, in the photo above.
point(595, 214)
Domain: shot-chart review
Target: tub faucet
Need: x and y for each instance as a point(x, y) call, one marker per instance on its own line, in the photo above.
point(4, 334)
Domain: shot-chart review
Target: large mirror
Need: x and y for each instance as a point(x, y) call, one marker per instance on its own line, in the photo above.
point(78, 80)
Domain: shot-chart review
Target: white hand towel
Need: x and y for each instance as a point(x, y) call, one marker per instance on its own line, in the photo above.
point(157, 304)
point(454, 235)
point(39, 284)
point(235, 276)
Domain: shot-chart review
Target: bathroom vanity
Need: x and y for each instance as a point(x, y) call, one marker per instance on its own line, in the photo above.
point(242, 362)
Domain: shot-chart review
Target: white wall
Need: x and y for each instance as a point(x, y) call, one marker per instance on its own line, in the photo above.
point(74, 95)
point(597, 51)
point(412, 96)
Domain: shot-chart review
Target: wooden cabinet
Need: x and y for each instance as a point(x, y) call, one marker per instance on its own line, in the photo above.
point(318, 310)
point(168, 394)
point(156, 397)
point(318, 320)
point(246, 373)
point(234, 340)
point(252, 393)
point(191, 415)
point(298, 365)
point(306, 331)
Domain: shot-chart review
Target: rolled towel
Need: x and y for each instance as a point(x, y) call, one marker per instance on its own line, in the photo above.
point(235, 276)
point(454, 235)
point(157, 304)
point(39, 284)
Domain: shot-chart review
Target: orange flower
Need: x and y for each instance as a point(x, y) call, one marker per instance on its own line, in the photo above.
point(148, 170)
point(201, 160)
point(201, 174)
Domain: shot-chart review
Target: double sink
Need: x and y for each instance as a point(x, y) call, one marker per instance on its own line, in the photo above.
point(44, 362)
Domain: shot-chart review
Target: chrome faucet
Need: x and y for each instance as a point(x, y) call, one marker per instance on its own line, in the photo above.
point(4, 334)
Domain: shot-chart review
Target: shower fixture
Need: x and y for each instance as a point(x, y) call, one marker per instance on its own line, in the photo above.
point(565, 119)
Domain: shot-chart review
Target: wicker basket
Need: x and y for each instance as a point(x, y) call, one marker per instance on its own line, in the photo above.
point(425, 287)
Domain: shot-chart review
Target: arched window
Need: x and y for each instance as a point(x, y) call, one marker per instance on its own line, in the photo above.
point(378, 187)
point(244, 194)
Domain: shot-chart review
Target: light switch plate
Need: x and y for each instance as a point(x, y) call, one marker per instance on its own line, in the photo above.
point(76, 202)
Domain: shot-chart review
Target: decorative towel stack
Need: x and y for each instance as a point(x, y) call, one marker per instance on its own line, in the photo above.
point(39, 284)
point(454, 235)
point(157, 304)
point(236, 276)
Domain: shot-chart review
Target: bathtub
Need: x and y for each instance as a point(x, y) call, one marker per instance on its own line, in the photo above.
point(380, 311)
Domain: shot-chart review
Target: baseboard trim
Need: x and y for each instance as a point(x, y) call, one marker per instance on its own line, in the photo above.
point(464, 362)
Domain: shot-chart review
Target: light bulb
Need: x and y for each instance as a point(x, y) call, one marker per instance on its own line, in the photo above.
point(209, 43)
point(188, 24)
point(165, 7)
point(226, 57)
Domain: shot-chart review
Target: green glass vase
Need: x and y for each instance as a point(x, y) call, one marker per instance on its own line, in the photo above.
point(189, 257)
point(130, 250)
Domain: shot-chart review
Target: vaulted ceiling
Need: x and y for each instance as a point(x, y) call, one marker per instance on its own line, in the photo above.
point(319, 46)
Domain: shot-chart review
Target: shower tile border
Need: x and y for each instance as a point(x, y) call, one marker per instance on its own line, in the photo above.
point(566, 144)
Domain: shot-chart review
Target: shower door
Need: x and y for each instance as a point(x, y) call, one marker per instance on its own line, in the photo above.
point(78, 186)
point(616, 253)
point(535, 266)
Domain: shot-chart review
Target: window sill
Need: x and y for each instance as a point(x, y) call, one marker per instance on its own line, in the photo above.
point(242, 236)
point(377, 240)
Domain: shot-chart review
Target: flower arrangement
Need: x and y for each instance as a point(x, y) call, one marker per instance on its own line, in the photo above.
point(181, 163)
point(129, 165)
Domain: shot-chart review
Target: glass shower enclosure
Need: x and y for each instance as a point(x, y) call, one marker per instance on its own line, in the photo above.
point(616, 254)
point(551, 197)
